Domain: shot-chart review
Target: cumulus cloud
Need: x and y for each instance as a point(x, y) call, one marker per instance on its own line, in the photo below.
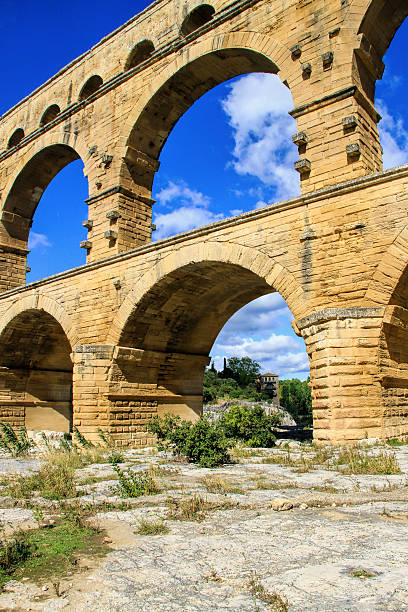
point(257, 109)
point(190, 209)
point(36, 240)
point(181, 192)
point(262, 331)
point(394, 137)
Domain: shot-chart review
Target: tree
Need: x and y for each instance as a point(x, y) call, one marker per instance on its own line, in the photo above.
point(296, 398)
point(244, 370)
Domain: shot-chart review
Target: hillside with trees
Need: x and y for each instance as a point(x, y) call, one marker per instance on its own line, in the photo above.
point(238, 381)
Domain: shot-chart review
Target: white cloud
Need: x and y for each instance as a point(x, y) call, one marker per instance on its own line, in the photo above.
point(257, 109)
point(183, 219)
point(394, 138)
point(191, 210)
point(261, 330)
point(181, 192)
point(35, 240)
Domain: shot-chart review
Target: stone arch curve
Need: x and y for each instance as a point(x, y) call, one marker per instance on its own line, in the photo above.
point(276, 275)
point(389, 271)
point(247, 40)
point(36, 168)
point(374, 39)
point(43, 303)
point(48, 139)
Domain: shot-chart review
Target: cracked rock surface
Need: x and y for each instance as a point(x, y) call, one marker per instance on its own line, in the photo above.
point(321, 539)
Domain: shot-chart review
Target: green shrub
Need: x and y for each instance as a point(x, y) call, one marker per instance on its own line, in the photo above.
point(135, 484)
point(53, 481)
point(250, 425)
point(15, 442)
point(355, 461)
point(201, 442)
point(13, 552)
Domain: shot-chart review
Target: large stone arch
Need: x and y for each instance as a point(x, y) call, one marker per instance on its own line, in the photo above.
point(194, 70)
point(379, 22)
point(166, 327)
point(35, 169)
point(275, 275)
point(37, 301)
point(32, 171)
point(390, 272)
point(36, 366)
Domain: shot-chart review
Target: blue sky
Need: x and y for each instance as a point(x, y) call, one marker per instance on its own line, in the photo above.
point(244, 161)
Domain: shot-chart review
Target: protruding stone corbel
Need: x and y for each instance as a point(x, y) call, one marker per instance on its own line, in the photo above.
point(153, 227)
point(296, 51)
point(88, 223)
point(300, 139)
point(110, 235)
point(303, 166)
point(327, 59)
point(306, 70)
point(349, 122)
point(113, 215)
point(85, 244)
point(353, 151)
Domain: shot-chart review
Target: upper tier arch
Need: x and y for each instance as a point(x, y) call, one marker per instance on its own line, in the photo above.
point(191, 74)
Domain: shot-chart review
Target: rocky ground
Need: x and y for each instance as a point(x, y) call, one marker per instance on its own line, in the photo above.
point(279, 525)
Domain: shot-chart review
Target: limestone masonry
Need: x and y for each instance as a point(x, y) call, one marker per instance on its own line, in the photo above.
point(127, 336)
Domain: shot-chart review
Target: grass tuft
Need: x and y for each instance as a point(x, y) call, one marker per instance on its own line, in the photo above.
point(47, 553)
point(135, 484)
point(217, 484)
point(355, 461)
point(152, 528)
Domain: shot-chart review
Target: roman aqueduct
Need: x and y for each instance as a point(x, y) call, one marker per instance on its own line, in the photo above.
point(128, 335)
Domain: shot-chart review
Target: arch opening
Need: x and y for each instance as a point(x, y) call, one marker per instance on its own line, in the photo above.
point(197, 18)
point(90, 87)
point(16, 137)
point(36, 373)
point(166, 341)
point(175, 97)
point(139, 54)
point(393, 361)
point(50, 114)
point(390, 99)
point(19, 226)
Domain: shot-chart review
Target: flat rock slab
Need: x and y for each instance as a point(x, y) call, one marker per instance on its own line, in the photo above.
point(323, 540)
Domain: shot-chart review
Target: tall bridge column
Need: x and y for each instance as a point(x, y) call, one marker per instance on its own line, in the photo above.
point(91, 367)
point(119, 389)
point(342, 344)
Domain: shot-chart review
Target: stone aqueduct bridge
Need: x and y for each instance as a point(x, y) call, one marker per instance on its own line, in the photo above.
point(128, 334)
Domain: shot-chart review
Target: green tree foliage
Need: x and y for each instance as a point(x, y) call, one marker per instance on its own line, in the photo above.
point(215, 386)
point(249, 424)
point(207, 443)
point(296, 398)
point(244, 370)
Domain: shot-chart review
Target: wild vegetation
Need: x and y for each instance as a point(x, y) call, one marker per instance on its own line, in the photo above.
point(48, 552)
point(239, 381)
point(208, 444)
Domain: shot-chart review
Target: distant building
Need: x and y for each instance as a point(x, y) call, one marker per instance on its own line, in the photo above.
point(269, 383)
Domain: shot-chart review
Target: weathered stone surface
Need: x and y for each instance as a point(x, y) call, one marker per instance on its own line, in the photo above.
point(340, 525)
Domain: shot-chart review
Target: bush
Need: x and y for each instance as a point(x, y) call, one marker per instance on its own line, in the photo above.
point(250, 425)
point(15, 442)
point(52, 482)
point(200, 442)
point(135, 484)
